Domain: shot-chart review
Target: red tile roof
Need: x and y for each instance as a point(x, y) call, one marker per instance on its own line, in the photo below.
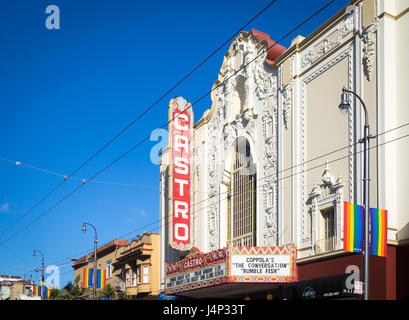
point(112, 244)
point(275, 50)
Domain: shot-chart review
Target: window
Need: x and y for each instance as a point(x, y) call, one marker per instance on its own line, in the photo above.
point(241, 219)
point(328, 223)
point(127, 284)
point(121, 284)
point(145, 273)
point(109, 269)
point(327, 231)
point(133, 278)
point(139, 274)
point(239, 97)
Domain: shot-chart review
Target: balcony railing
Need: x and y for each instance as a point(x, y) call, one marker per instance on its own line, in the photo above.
point(325, 245)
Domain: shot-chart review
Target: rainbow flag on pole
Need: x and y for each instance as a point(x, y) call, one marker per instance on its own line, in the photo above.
point(37, 291)
point(353, 227)
point(101, 279)
point(87, 278)
point(47, 292)
point(379, 232)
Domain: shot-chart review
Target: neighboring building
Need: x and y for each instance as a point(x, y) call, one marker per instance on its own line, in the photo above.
point(106, 255)
point(138, 267)
point(11, 287)
point(131, 268)
point(278, 120)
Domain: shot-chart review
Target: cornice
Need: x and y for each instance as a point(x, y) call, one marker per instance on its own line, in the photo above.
point(299, 47)
point(332, 52)
point(391, 16)
point(323, 256)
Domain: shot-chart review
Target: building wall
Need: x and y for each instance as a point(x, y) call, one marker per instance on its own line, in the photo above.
point(307, 154)
point(101, 264)
point(142, 251)
point(18, 288)
point(402, 97)
point(150, 255)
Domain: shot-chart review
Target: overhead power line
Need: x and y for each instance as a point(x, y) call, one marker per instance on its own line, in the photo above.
point(146, 138)
point(197, 211)
point(139, 116)
point(201, 98)
point(18, 163)
point(14, 254)
point(144, 228)
point(162, 220)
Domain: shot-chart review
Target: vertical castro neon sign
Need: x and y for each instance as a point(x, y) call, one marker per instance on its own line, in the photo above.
point(181, 122)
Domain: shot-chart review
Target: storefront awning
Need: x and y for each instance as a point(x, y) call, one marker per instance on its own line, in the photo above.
point(231, 272)
point(332, 287)
point(229, 290)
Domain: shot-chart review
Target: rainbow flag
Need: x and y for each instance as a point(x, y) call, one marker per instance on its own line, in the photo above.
point(379, 232)
point(37, 291)
point(353, 227)
point(87, 278)
point(47, 292)
point(101, 279)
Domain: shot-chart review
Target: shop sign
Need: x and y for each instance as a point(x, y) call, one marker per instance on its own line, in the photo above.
point(180, 127)
point(308, 293)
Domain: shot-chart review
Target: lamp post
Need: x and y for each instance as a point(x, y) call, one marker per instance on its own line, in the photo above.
point(42, 271)
point(94, 273)
point(345, 106)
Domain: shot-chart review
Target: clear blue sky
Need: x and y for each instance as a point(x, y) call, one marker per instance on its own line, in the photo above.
point(64, 93)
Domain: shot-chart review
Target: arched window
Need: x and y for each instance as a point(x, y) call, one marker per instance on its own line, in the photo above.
point(239, 97)
point(241, 217)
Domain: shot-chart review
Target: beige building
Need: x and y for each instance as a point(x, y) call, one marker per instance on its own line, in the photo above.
point(132, 268)
point(301, 158)
point(13, 287)
point(138, 267)
point(106, 255)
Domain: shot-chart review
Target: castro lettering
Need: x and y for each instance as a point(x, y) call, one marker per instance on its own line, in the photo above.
point(181, 146)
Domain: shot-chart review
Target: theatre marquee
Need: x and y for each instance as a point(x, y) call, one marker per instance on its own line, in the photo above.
point(231, 265)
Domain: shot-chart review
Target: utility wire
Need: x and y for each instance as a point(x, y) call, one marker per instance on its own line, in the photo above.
point(147, 137)
point(18, 163)
point(276, 180)
point(14, 254)
point(266, 184)
point(140, 116)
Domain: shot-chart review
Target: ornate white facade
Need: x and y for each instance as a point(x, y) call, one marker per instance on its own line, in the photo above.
point(305, 153)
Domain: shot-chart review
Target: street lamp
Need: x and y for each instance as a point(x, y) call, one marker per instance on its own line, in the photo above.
point(344, 107)
point(42, 272)
point(94, 273)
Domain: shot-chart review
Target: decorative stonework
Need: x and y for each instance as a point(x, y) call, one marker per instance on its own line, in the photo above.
point(269, 194)
point(256, 119)
point(329, 42)
point(328, 192)
point(346, 28)
point(348, 52)
point(351, 139)
point(368, 50)
point(263, 80)
point(286, 94)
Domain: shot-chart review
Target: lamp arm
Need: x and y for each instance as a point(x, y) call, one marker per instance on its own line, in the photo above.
point(362, 102)
point(95, 230)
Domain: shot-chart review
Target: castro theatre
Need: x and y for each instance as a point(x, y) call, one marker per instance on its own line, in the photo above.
point(253, 191)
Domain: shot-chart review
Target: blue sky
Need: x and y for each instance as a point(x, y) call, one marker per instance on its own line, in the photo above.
point(64, 93)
